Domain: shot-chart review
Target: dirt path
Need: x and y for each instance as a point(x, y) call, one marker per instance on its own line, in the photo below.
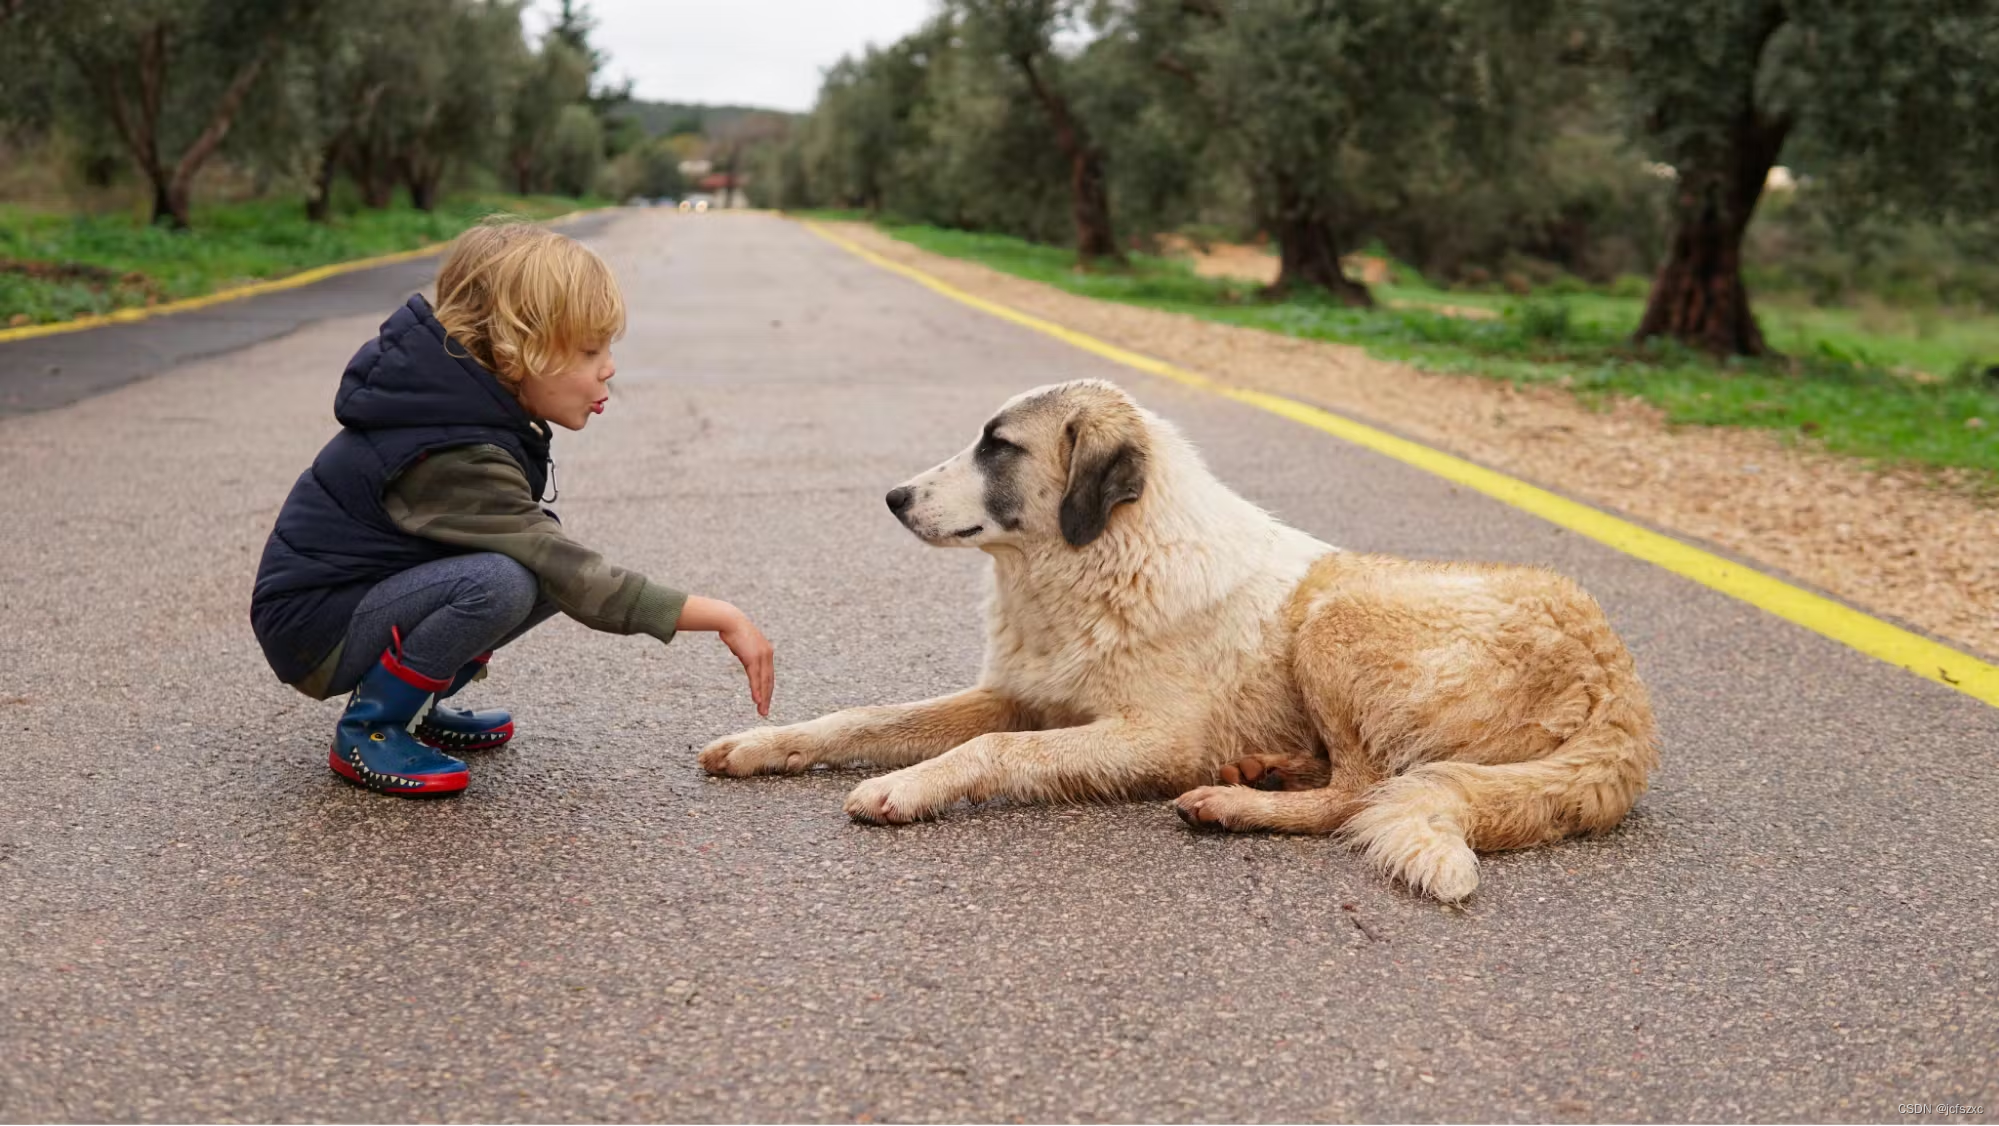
point(1890, 542)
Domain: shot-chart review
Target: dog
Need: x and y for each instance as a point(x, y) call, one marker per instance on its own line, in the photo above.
point(1152, 633)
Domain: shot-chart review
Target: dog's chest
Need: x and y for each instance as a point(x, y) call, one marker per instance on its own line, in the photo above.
point(1097, 659)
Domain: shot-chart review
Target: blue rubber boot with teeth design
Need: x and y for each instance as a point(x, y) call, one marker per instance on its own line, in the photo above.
point(456, 729)
point(375, 745)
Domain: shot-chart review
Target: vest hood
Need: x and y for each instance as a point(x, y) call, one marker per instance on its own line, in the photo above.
point(407, 377)
point(403, 395)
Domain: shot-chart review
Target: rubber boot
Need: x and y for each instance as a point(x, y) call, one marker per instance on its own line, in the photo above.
point(456, 729)
point(374, 745)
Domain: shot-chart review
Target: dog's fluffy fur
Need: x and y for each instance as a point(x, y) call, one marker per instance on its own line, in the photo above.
point(1152, 633)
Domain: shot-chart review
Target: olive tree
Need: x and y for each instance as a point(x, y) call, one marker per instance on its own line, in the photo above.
point(1021, 34)
point(556, 77)
point(863, 119)
point(458, 100)
point(1327, 105)
point(168, 76)
point(1889, 103)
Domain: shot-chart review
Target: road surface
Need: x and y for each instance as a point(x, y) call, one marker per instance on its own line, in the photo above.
point(201, 922)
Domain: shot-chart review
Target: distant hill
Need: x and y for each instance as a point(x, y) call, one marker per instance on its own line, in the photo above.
point(660, 119)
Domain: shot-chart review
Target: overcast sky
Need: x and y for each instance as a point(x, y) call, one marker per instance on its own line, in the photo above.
point(743, 52)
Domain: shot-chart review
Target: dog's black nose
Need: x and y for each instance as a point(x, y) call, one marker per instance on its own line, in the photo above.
point(899, 498)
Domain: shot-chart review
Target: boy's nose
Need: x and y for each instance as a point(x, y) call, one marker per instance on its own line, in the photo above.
point(899, 498)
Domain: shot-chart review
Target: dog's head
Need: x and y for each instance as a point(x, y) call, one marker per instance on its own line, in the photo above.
point(1055, 461)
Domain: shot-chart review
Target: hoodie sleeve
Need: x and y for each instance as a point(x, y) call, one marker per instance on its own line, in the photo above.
point(477, 498)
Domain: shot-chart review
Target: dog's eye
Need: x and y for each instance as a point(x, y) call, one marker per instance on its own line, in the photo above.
point(994, 445)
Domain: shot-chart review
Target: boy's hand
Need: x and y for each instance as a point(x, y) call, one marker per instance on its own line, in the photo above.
point(742, 637)
point(747, 642)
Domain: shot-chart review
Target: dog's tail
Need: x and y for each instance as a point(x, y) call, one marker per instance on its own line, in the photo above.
point(1425, 824)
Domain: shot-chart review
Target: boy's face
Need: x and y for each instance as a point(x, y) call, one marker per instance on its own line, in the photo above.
point(570, 396)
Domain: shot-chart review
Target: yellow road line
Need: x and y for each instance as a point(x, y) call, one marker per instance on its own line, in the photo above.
point(1870, 635)
point(290, 281)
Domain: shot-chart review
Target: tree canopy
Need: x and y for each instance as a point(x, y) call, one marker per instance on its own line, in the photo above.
point(402, 97)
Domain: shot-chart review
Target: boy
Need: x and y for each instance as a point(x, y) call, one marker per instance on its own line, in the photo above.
point(416, 544)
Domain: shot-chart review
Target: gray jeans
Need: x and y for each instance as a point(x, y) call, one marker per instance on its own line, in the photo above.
point(448, 612)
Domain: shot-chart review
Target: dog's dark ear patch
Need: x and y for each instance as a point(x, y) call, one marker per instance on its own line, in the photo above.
point(1105, 470)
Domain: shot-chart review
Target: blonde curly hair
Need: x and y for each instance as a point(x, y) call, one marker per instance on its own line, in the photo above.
point(522, 300)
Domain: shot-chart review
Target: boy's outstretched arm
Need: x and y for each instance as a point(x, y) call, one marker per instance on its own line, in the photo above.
point(477, 498)
point(742, 637)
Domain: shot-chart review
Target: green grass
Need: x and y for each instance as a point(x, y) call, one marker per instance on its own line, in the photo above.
point(1935, 342)
point(79, 265)
point(1844, 384)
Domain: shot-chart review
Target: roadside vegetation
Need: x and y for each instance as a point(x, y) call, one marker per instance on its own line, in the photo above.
point(1761, 213)
point(56, 266)
point(1899, 397)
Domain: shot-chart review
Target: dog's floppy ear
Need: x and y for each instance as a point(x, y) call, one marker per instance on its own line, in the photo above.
point(1106, 469)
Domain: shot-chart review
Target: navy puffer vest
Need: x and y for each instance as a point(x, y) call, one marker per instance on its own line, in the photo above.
point(402, 396)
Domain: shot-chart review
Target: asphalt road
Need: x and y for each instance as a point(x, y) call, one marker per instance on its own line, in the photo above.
point(199, 921)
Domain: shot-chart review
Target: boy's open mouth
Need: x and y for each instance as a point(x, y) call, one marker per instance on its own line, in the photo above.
point(598, 406)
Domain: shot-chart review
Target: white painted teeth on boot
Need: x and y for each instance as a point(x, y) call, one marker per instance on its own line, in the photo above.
point(421, 712)
point(354, 760)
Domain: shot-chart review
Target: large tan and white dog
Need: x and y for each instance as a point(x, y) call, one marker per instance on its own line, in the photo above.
point(1152, 633)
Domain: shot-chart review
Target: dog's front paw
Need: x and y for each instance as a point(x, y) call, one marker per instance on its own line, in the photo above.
point(760, 750)
point(889, 800)
point(1216, 807)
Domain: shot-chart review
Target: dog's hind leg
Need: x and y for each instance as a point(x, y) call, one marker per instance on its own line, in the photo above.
point(1327, 690)
point(886, 735)
point(1242, 809)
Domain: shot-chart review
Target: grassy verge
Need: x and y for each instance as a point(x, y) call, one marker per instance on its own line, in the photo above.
point(56, 267)
point(1855, 390)
point(1927, 342)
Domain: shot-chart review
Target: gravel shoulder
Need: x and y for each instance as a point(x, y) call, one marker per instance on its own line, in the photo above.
point(1888, 541)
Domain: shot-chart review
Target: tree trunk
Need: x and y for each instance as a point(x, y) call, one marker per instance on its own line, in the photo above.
point(319, 201)
point(1089, 191)
point(422, 175)
point(1309, 249)
point(1698, 296)
point(375, 175)
point(423, 192)
point(1090, 205)
point(218, 124)
point(169, 205)
point(135, 114)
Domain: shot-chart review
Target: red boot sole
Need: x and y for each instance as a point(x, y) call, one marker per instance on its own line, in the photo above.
point(426, 784)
